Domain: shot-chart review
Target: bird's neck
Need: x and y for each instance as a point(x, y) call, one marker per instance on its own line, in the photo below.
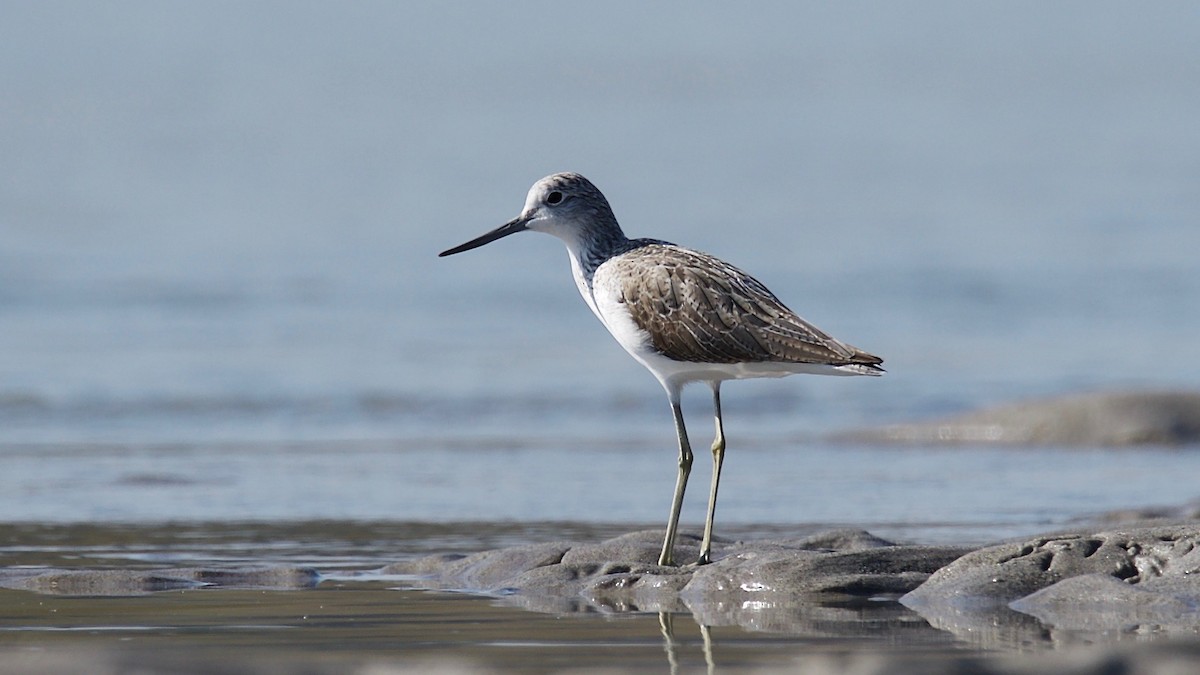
point(592, 246)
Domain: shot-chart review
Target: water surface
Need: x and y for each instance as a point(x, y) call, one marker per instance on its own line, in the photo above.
point(220, 301)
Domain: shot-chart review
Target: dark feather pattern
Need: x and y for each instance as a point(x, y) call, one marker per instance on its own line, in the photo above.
point(698, 308)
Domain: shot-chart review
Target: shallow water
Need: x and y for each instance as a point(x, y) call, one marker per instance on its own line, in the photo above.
point(925, 495)
point(226, 230)
point(355, 614)
point(355, 622)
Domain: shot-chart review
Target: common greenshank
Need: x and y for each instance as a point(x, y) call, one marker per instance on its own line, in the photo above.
point(683, 314)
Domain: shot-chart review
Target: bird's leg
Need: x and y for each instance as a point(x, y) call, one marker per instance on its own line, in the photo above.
point(718, 456)
point(685, 467)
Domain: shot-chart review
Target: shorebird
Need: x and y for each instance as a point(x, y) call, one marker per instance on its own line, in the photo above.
point(684, 315)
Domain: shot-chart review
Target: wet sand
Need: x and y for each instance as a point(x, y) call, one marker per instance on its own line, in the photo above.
point(316, 597)
point(353, 615)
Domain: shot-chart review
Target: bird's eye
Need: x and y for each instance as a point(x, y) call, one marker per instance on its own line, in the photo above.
point(554, 198)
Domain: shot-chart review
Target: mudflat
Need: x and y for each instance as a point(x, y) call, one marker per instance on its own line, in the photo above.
point(225, 598)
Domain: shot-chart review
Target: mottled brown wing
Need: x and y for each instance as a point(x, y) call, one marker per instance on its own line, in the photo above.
point(698, 308)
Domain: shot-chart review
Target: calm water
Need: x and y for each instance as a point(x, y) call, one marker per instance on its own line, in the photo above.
point(219, 296)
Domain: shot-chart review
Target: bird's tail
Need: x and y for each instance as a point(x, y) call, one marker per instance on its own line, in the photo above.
point(861, 363)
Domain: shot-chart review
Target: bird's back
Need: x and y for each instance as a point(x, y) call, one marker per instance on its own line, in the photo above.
point(694, 307)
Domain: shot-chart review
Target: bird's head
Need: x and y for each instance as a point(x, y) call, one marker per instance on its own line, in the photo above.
point(565, 205)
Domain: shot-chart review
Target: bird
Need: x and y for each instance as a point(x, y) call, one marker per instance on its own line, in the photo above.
point(685, 315)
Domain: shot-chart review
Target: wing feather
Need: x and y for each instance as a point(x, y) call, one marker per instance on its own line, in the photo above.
point(697, 308)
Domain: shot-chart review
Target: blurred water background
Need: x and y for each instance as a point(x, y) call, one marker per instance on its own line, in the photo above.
point(219, 296)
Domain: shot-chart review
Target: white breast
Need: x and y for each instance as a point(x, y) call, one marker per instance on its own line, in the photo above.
point(606, 303)
point(603, 295)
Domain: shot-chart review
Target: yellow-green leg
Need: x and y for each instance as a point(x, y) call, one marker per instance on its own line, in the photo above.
point(685, 467)
point(718, 455)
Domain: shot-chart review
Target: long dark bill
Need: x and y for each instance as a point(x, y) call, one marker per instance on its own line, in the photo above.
point(511, 227)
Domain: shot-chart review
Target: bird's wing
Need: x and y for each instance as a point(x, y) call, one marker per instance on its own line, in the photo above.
point(698, 308)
